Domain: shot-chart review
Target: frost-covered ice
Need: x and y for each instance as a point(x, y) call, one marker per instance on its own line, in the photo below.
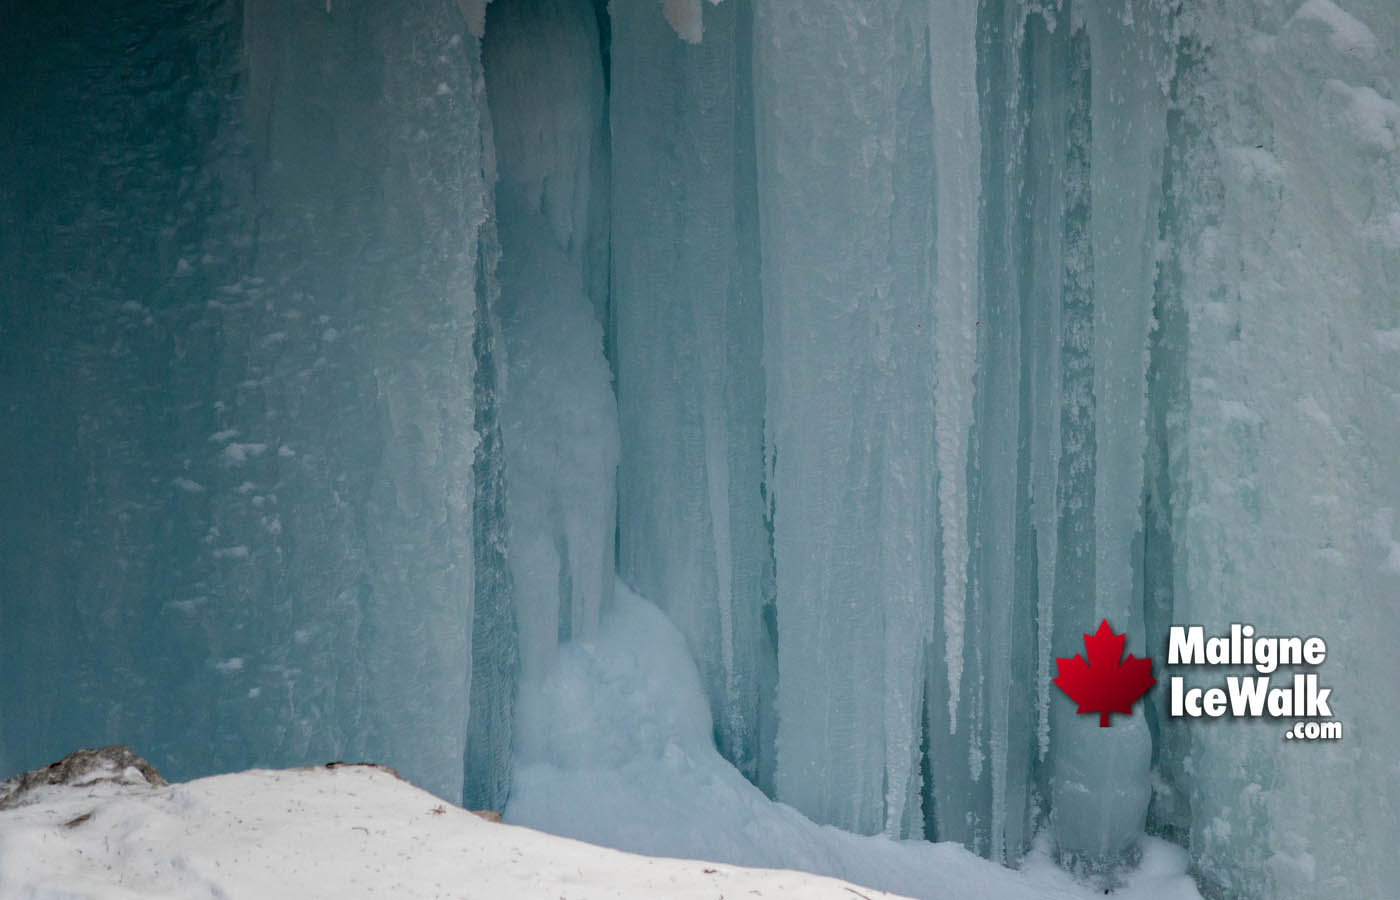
point(182, 276)
point(688, 347)
point(887, 344)
point(558, 414)
point(1283, 428)
point(848, 361)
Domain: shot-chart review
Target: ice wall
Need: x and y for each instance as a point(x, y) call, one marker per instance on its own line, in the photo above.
point(239, 383)
point(1091, 189)
point(940, 330)
point(1013, 255)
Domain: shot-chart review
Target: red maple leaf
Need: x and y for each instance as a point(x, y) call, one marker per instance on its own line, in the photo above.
point(1102, 684)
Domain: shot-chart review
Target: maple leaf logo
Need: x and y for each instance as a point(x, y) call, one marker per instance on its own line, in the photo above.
point(1103, 685)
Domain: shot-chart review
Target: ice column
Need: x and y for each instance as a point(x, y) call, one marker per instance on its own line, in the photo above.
point(349, 356)
point(1046, 175)
point(495, 630)
point(1100, 781)
point(845, 191)
point(688, 347)
point(558, 418)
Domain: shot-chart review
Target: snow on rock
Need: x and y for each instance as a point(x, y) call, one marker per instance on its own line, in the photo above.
point(113, 768)
point(344, 831)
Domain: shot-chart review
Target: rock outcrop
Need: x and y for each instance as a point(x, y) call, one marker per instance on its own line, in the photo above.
point(114, 765)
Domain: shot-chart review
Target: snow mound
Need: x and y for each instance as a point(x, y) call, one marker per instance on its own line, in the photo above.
point(344, 832)
point(616, 748)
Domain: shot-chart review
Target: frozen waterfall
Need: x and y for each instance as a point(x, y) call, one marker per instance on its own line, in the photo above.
point(350, 356)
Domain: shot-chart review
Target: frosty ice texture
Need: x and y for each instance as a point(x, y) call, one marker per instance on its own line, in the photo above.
point(845, 217)
point(688, 347)
point(238, 378)
point(889, 345)
point(558, 414)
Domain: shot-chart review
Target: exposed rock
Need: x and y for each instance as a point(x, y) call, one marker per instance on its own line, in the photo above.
point(116, 765)
point(369, 765)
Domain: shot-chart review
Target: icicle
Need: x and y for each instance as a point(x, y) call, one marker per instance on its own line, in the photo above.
point(957, 156)
point(1047, 174)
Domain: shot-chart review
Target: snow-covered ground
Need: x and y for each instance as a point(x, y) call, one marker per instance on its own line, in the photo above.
point(615, 748)
point(348, 832)
point(358, 831)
